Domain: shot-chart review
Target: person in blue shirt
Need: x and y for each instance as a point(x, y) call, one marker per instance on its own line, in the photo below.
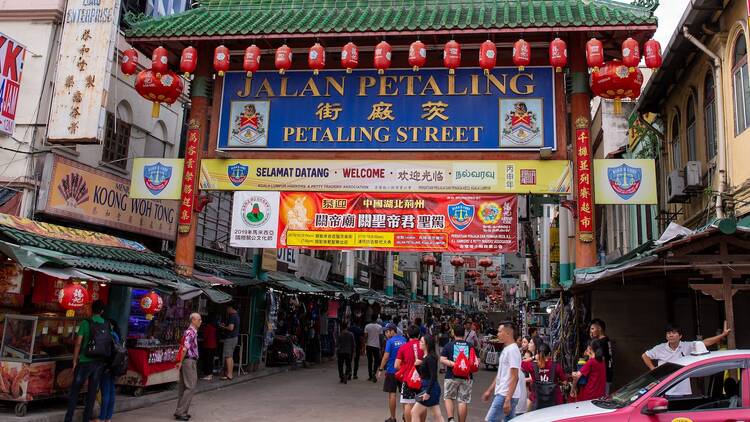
point(391, 385)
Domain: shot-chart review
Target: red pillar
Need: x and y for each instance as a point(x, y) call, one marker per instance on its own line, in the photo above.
point(580, 101)
point(197, 126)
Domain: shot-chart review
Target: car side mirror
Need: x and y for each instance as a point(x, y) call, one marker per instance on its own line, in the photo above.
point(656, 405)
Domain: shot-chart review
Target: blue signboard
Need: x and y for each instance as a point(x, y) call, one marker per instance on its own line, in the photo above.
point(399, 110)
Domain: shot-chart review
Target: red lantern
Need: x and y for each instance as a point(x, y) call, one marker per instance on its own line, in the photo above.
point(485, 263)
point(429, 260)
point(472, 274)
point(479, 283)
point(492, 275)
point(452, 56)
point(251, 60)
point(417, 55)
point(73, 297)
point(221, 60)
point(129, 62)
point(382, 59)
point(160, 61)
point(151, 304)
point(283, 60)
point(631, 54)
point(614, 81)
point(594, 53)
point(165, 90)
point(487, 56)
point(521, 54)
point(652, 51)
point(558, 54)
point(457, 261)
point(349, 57)
point(316, 58)
point(188, 61)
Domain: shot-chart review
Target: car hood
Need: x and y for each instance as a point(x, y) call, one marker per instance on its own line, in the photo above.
point(563, 411)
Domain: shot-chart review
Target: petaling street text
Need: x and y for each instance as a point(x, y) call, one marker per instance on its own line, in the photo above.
point(383, 134)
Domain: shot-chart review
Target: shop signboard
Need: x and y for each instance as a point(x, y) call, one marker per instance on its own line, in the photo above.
point(82, 193)
point(11, 66)
point(288, 256)
point(84, 64)
point(428, 176)
point(385, 221)
point(268, 263)
point(311, 267)
point(631, 181)
point(408, 261)
point(400, 110)
point(156, 178)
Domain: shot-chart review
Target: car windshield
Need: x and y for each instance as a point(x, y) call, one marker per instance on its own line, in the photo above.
point(633, 390)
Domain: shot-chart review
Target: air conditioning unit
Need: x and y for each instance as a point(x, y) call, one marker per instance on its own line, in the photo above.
point(693, 177)
point(676, 188)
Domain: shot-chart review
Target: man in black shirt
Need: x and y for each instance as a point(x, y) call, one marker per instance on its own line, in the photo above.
point(231, 331)
point(597, 331)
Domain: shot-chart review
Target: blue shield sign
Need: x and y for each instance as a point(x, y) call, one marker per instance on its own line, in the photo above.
point(156, 177)
point(625, 180)
point(460, 215)
point(237, 173)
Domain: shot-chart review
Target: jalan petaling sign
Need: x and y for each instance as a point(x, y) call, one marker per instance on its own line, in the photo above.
point(400, 110)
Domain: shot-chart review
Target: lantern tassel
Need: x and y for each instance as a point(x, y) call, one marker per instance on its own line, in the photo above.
point(618, 107)
point(186, 75)
point(558, 69)
point(149, 316)
point(70, 313)
point(221, 73)
point(451, 72)
point(155, 107)
point(249, 74)
point(315, 72)
point(380, 71)
point(281, 71)
point(348, 70)
point(415, 68)
point(521, 68)
point(486, 72)
point(631, 69)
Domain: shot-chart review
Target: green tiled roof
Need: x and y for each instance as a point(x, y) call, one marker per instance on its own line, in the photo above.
point(268, 17)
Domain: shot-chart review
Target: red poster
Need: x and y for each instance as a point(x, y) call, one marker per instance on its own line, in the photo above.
point(584, 186)
point(397, 221)
point(188, 178)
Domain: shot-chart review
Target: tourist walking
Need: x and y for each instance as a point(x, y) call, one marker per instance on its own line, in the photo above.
point(387, 369)
point(428, 398)
point(597, 331)
point(359, 346)
point(407, 356)
point(107, 384)
point(456, 389)
point(345, 345)
point(231, 333)
point(187, 359)
point(546, 377)
point(373, 331)
point(505, 385)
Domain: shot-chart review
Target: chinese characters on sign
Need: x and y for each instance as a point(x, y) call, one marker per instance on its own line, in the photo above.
point(188, 176)
point(583, 181)
point(11, 67)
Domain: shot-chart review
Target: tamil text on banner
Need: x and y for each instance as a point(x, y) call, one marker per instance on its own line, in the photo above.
point(255, 220)
point(86, 55)
point(511, 176)
point(386, 221)
point(92, 196)
point(156, 178)
point(625, 181)
point(402, 110)
point(11, 66)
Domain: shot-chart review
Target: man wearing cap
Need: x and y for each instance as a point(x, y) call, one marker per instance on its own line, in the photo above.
point(674, 349)
point(391, 385)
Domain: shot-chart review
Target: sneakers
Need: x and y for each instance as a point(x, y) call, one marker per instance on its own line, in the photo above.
point(390, 420)
point(208, 377)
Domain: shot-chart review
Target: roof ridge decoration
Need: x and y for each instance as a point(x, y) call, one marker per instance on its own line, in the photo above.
point(217, 18)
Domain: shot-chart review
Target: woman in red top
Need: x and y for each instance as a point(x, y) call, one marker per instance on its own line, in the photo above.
point(210, 345)
point(595, 372)
point(546, 377)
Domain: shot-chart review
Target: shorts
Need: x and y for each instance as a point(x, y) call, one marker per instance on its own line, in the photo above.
point(458, 389)
point(408, 396)
point(229, 345)
point(391, 384)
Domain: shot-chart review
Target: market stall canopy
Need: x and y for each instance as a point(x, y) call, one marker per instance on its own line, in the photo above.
point(212, 279)
point(26, 257)
point(289, 282)
point(121, 279)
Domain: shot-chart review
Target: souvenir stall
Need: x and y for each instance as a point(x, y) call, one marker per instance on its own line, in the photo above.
point(155, 326)
point(39, 313)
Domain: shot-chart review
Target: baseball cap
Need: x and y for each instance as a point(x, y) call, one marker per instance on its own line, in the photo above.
point(391, 326)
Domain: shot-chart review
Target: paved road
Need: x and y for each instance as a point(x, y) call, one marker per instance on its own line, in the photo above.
point(312, 394)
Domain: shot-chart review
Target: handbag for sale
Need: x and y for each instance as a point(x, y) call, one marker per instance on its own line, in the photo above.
point(493, 358)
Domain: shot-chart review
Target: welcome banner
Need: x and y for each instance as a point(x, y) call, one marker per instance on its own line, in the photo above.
point(384, 221)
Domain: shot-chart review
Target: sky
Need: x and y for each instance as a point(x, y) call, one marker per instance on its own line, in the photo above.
point(669, 13)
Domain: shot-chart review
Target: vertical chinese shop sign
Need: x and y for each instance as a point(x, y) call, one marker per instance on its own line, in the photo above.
point(584, 185)
point(188, 177)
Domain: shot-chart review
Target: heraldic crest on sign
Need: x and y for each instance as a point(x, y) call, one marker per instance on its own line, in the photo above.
point(249, 120)
point(156, 177)
point(625, 180)
point(521, 123)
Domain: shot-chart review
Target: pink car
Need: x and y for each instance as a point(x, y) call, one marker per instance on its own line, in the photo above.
point(718, 382)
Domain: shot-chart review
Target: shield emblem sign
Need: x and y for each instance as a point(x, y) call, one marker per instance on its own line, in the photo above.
point(156, 177)
point(625, 180)
point(461, 215)
point(237, 173)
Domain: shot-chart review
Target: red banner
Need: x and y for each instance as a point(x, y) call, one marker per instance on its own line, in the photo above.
point(405, 222)
point(188, 178)
point(584, 185)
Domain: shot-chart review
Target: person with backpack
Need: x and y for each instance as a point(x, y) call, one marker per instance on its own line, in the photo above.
point(546, 377)
point(116, 367)
point(406, 357)
point(505, 385)
point(93, 348)
point(458, 356)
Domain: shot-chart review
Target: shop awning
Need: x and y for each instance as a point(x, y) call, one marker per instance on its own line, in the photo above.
point(26, 256)
point(244, 281)
point(66, 273)
point(290, 282)
point(121, 279)
point(211, 279)
point(217, 296)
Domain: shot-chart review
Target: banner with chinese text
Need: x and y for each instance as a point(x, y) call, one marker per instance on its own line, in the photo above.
point(386, 221)
point(427, 176)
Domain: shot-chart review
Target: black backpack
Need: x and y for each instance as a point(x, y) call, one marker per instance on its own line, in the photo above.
point(100, 342)
point(546, 392)
point(118, 366)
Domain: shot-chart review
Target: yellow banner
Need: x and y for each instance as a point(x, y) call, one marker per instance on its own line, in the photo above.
point(343, 239)
point(427, 176)
point(156, 178)
point(627, 181)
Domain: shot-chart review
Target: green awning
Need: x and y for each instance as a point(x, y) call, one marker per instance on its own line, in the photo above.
point(289, 282)
point(244, 281)
point(121, 279)
point(26, 257)
point(217, 296)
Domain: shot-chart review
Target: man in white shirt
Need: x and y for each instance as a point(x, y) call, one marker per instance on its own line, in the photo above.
point(505, 384)
point(373, 331)
point(674, 349)
point(471, 335)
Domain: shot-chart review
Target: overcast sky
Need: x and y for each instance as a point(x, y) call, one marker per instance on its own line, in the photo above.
point(669, 14)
